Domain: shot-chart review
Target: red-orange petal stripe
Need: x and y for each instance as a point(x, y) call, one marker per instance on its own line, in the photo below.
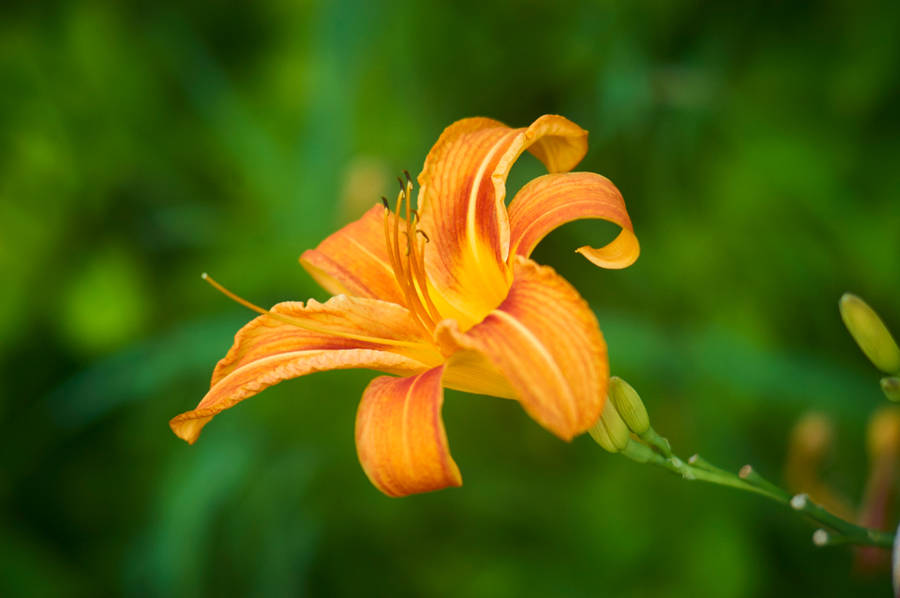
point(546, 342)
point(354, 260)
point(552, 200)
point(462, 205)
point(400, 436)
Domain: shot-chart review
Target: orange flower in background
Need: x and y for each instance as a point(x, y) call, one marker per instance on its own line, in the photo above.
point(445, 296)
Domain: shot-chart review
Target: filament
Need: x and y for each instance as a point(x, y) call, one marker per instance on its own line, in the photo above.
point(393, 247)
point(410, 276)
point(416, 265)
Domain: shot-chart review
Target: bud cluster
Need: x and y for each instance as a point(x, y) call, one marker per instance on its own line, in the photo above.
point(624, 415)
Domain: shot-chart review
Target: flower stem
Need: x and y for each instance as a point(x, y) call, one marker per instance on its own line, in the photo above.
point(748, 480)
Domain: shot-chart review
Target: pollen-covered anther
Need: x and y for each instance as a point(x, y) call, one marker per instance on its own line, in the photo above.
point(409, 265)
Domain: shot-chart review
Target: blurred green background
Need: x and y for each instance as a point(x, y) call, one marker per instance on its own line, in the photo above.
point(141, 144)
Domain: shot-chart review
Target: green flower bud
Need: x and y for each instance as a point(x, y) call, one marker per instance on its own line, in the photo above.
point(870, 333)
point(891, 387)
point(629, 405)
point(609, 431)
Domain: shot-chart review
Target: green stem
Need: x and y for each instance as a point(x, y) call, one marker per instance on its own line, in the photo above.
point(750, 481)
point(651, 437)
point(752, 476)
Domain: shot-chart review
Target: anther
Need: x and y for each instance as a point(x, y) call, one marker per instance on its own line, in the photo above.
point(408, 178)
point(384, 200)
point(421, 232)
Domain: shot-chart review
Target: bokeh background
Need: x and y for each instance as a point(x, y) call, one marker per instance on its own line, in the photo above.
point(757, 147)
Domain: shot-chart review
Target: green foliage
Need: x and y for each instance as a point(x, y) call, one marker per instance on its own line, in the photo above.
point(756, 147)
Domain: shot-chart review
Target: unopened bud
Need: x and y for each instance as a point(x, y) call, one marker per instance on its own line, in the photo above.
point(629, 405)
point(883, 436)
point(870, 333)
point(609, 431)
point(811, 437)
point(890, 385)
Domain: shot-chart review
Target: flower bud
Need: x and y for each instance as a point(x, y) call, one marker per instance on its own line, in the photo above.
point(810, 440)
point(810, 443)
point(870, 333)
point(883, 436)
point(629, 405)
point(609, 431)
point(890, 385)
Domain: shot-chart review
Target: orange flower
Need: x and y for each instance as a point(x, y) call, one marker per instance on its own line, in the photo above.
point(445, 296)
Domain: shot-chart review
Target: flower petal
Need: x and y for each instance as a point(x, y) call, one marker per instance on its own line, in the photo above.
point(262, 373)
point(545, 340)
point(355, 261)
point(296, 339)
point(552, 200)
point(462, 205)
point(400, 436)
point(470, 371)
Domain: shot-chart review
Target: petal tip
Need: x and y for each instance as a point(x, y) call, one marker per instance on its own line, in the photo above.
point(618, 255)
point(559, 143)
point(187, 427)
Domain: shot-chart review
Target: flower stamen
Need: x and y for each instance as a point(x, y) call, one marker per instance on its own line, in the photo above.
point(392, 239)
point(411, 275)
point(417, 255)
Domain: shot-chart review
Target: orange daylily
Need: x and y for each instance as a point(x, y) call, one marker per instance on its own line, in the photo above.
point(445, 296)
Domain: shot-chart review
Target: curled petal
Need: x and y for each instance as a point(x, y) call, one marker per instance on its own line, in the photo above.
point(294, 339)
point(552, 200)
point(545, 340)
point(557, 142)
point(462, 205)
point(354, 260)
point(400, 436)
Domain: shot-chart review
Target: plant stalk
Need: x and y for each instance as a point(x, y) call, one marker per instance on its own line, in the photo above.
point(749, 480)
